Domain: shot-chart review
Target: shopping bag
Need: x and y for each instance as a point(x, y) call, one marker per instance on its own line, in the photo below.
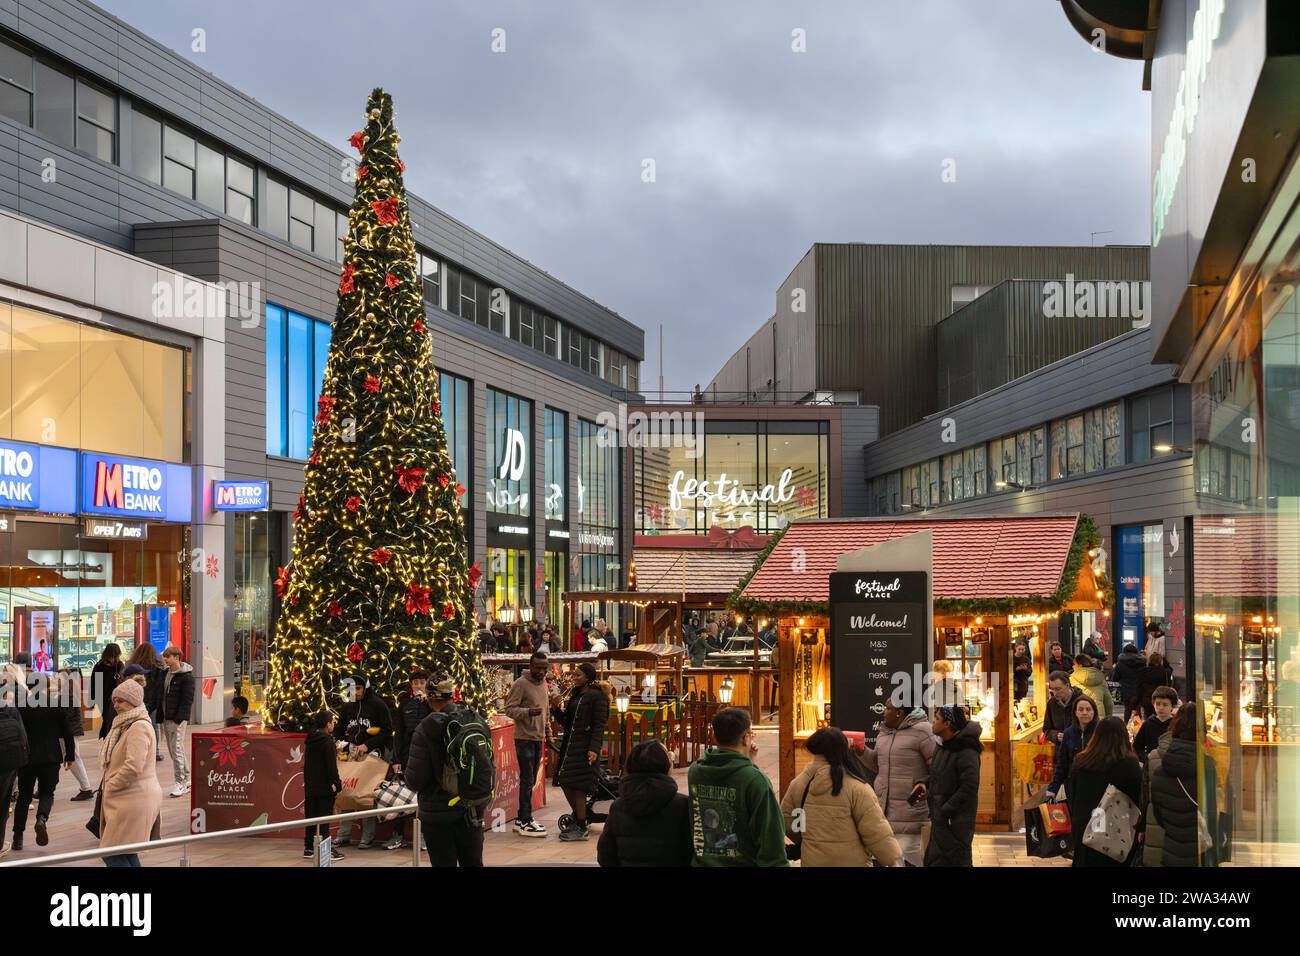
point(1037, 842)
point(1113, 825)
point(1035, 762)
point(394, 793)
point(1056, 818)
point(361, 778)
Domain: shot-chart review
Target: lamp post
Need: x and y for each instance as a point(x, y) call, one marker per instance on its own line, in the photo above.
point(622, 700)
point(648, 685)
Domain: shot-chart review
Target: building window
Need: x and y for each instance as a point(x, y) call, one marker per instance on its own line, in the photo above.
point(240, 192)
point(83, 385)
point(557, 465)
point(146, 147)
point(457, 413)
point(275, 218)
point(96, 121)
point(431, 279)
point(178, 162)
point(302, 220)
point(296, 349)
point(509, 458)
point(1151, 424)
point(69, 110)
point(551, 337)
point(598, 547)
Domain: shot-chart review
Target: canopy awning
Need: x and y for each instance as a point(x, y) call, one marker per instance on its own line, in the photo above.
point(693, 570)
point(994, 564)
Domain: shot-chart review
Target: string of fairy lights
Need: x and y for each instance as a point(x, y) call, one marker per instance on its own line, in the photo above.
point(378, 585)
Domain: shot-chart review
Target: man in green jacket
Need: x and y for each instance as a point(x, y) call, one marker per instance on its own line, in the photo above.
point(735, 817)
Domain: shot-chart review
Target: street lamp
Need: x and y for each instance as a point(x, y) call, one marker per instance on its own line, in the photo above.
point(725, 689)
point(648, 687)
point(525, 613)
point(506, 613)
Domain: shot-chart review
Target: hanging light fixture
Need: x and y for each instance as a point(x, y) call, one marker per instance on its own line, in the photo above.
point(726, 689)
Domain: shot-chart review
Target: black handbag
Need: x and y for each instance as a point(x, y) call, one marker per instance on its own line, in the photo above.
point(794, 851)
point(93, 823)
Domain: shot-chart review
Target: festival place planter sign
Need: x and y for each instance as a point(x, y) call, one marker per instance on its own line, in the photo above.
point(246, 777)
point(879, 629)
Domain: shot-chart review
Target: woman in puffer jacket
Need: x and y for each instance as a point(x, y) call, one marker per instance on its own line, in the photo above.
point(833, 812)
point(1173, 831)
point(1088, 678)
point(902, 756)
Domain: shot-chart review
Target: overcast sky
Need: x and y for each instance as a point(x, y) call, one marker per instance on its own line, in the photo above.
point(759, 151)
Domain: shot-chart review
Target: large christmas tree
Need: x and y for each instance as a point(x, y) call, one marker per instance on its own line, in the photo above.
point(378, 584)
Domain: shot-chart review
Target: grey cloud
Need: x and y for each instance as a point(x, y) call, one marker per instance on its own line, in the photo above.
point(760, 151)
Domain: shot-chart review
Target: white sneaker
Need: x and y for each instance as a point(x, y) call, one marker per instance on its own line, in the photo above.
point(530, 829)
point(180, 789)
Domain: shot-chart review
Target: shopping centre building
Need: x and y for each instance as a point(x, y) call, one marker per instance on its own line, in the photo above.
point(131, 389)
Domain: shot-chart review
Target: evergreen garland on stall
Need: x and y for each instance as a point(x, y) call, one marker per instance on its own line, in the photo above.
point(378, 585)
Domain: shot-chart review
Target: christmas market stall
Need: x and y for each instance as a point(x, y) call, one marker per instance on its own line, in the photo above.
point(998, 585)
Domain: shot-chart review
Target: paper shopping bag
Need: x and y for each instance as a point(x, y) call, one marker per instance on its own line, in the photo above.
point(361, 778)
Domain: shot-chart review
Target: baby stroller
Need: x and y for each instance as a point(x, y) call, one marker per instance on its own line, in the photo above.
point(598, 803)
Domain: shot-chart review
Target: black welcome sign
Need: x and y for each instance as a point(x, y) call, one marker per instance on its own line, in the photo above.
point(878, 640)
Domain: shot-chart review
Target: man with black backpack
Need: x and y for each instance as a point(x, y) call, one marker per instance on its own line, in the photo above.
point(451, 767)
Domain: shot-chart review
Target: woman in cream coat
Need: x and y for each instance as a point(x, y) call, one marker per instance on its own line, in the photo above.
point(833, 813)
point(132, 798)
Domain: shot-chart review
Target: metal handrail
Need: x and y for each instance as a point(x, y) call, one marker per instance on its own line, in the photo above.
point(99, 853)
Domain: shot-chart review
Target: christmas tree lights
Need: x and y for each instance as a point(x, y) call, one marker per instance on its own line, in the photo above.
point(378, 584)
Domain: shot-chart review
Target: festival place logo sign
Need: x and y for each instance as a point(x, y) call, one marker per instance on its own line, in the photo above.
point(243, 779)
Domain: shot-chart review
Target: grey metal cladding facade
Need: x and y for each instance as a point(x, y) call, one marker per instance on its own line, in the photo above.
point(222, 251)
point(1119, 367)
point(877, 306)
point(1006, 334)
point(103, 45)
point(859, 427)
point(1136, 494)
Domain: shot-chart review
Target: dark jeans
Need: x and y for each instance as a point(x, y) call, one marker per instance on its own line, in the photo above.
point(459, 843)
point(316, 807)
point(528, 753)
point(41, 778)
point(123, 860)
point(8, 780)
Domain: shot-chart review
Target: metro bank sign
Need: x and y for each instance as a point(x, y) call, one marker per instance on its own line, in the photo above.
point(38, 478)
point(135, 488)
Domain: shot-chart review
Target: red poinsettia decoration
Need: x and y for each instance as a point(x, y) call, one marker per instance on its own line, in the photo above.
point(352, 504)
point(449, 610)
point(355, 653)
point(358, 140)
point(324, 406)
point(419, 326)
point(391, 280)
point(371, 384)
point(417, 600)
point(346, 284)
point(228, 750)
point(296, 675)
point(302, 506)
point(315, 458)
point(401, 166)
point(411, 480)
point(437, 407)
point(282, 576)
point(336, 609)
point(460, 489)
point(381, 555)
point(444, 481)
point(386, 210)
point(475, 575)
point(363, 172)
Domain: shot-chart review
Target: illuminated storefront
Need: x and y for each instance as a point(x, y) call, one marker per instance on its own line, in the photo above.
point(94, 545)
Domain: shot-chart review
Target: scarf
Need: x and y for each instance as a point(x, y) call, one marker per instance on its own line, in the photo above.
point(120, 724)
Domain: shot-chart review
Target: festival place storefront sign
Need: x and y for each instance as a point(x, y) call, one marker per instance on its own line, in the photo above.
point(246, 777)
